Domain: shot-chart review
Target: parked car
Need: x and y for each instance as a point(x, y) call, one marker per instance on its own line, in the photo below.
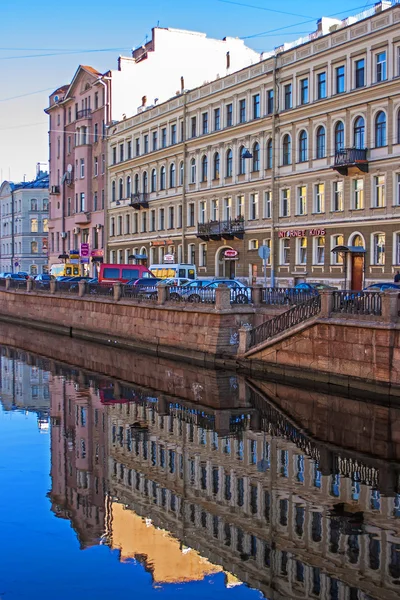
point(380, 287)
point(25, 274)
point(176, 281)
point(16, 276)
point(187, 288)
point(43, 277)
point(145, 287)
point(240, 293)
point(314, 286)
point(4, 275)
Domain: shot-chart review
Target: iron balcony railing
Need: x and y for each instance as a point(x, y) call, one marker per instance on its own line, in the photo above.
point(350, 156)
point(231, 227)
point(357, 303)
point(84, 114)
point(140, 199)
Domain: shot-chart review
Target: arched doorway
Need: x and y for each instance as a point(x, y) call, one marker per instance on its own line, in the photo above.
point(224, 267)
point(356, 261)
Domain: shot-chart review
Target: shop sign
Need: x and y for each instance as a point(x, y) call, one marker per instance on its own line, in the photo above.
point(301, 233)
point(158, 243)
point(230, 253)
point(97, 253)
point(169, 258)
point(74, 254)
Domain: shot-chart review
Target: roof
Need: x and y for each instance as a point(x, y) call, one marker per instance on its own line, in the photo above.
point(41, 182)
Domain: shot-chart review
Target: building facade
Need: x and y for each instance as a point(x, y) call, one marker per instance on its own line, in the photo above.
point(24, 217)
point(299, 153)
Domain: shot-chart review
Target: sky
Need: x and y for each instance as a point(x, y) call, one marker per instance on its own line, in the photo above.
point(43, 43)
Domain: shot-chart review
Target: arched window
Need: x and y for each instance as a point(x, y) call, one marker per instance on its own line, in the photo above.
point(256, 157)
point(269, 154)
point(216, 166)
point(162, 178)
point(286, 147)
point(154, 180)
point(359, 133)
point(113, 197)
point(172, 178)
point(303, 144)
point(136, 183)
point(128, 186)
point(242, 161)
point(321, 147)
point(229, 163)
point(380, 129)
point(193, 170)
point(181, 173)
point(121, 189)
point(204, 168)
point(144, 177)
point(339, 136)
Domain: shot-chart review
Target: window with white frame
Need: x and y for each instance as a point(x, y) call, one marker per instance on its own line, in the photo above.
point(267, 204)
point(285, 202)
point(214, 210)
point(267, 243)
point(192, 254)
point(337, 198)
point(396, 249)
point(302, 200)
point(337, 257)
point(319, 250)
point(153, 256)
point(380, 59)
point(253, 244)
point(227, 208)
point(253, 207)
point(193, 170)
point(319, 198)
point(379, 191)
point(284, 251)
point(378, 248)
point(301, 253)
point(180, 253)
point(202, 255)
point(202, 211)
point(240, 206)
point(190, 219)
point(358, 194)
point(397, 190)
point(82, 163)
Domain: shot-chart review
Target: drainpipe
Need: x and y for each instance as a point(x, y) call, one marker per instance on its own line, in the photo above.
point(12, 230)
point(274, 200)
point(184, 211)
point(107, 119)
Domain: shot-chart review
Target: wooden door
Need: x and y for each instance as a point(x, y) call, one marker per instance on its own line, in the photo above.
point(357, 267)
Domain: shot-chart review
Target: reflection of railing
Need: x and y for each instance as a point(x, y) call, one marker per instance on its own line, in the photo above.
point(357, 303)
point(350, 156)
point(220, 228)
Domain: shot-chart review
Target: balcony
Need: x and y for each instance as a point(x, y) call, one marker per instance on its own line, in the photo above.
point(139, 200)
point(83, 114)
point(55, 189)
point(351, 158)
point(216, 230)
point(82, 218)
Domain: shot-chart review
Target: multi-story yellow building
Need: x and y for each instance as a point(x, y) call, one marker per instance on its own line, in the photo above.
point(299, 152)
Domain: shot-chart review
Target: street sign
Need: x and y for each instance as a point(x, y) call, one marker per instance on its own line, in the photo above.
point(264, 252)
point(85, 249)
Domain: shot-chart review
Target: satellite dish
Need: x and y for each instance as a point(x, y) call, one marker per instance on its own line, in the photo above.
point(69, 168)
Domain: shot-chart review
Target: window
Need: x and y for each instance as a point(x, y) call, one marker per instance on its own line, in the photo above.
point(227, 208)
point(320, 250)
point(193, 127)
point(321, 147)
point(193, 170)
point(103, 163)
point(378, 247)
point(287, 96)
point(137, 146)
point(379, 191)
point(321, 85)
point(128, 186)
point(242, 160)
point(144, 181)
point(256, 106)
point(397, 191)
point(34, 247)
point(154, 140)
point(34, 225)
point(161, 222)
point(171, 217)
point(205, 123)
point(267, 204)
point(214, 210)
point(82, 167)
point(340, 80)
point(45, 225)
point(358, 194)
point(304, 91)
point(181, 173)
point(216, 163)
point(146, 144)
point(269, 154)
point(285, 251)
point(337, 204)
point(256, 157)
point(285, 202)
point(129, 149)
point(337, 257)
point(144, 222)
point(359, 133)
point(381, 66)
point(202, 255)
point(359, 78)
point(240, 206)
point(120, 189)
point(229, 163)
point(121, 153)
point(96, 133)
point(114, 156)
point(164, 137)
point(253, 207)
point(217, 119)
point(302, 200)
point(229, 115)
point(172, 178)
point(396, 248)
point(253, 244)
point(191, 214)
point(203, 211)
point(96, 166)
point(153, 180)
point(319, 198)
point(204, 168)
point(302, 250)
point(113, 195)
point(192, 254)
point(287, 159)
point(303, 154)
point(242, 111)
point(270, 102)
point(82, 202)
point(152, 220)
point(380, 129)
point(162, 178)
point(127, 224)
point(173, 134)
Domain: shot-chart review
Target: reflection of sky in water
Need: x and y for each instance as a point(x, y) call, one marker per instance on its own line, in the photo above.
point(40, 553)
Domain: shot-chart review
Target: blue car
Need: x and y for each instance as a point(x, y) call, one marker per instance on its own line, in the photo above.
point(380, 287)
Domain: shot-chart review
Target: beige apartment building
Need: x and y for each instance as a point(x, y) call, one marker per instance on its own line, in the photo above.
point(299, 152)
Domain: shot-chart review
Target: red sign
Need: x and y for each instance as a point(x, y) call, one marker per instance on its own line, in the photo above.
point(85, 249)
point(301, 233)
point(231, 253)
point(98, 253)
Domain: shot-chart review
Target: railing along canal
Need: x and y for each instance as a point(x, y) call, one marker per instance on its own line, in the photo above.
point(357, 303)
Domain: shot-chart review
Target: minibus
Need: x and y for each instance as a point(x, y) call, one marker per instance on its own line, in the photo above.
point(164, 271)
point(112, 273)
point(65, 270)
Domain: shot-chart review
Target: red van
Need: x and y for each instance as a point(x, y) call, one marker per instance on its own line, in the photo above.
point(110, 273)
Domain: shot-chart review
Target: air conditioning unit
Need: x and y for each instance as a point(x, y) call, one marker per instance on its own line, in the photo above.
point(63, 235)
point(77, 230)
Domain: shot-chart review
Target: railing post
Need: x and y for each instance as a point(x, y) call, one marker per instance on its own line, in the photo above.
point(8, 283)
point(222, 297)
point(53, 286)
point(326, 303)
point(162, 293)
point(81, 288)
point(244, 338)
point(257, 294)
point(117, 291)
point(390, 305)
point(29, 285)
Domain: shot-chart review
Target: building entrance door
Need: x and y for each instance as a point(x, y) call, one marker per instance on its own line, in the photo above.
point(357, 268)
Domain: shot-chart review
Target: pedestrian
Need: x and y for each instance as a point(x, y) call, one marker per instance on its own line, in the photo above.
point(397, 277)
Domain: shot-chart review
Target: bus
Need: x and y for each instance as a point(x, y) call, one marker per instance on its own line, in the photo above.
point(112, 273)
point(65, 270)
point(165, 271)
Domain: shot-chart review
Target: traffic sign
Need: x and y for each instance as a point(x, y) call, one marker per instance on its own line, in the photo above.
point(85, 249)
point(264, 252)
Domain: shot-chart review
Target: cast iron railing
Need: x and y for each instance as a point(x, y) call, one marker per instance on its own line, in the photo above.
point(219, 228)
point(295, 315)
point(181, 294)
point(282, 296)
point(357, 303)
point(350, 156)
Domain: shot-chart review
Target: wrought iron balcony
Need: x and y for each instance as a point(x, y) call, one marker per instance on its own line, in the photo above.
point(351, 158)
point(227, 230)
point(86, 113)
point(139, 200)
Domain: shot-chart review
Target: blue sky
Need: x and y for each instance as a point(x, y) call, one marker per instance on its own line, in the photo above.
point(119, 25)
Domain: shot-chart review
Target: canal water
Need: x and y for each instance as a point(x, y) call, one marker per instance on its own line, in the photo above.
point(198, 485)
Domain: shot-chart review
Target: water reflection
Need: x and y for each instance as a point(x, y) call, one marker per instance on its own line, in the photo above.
point(226, 483)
